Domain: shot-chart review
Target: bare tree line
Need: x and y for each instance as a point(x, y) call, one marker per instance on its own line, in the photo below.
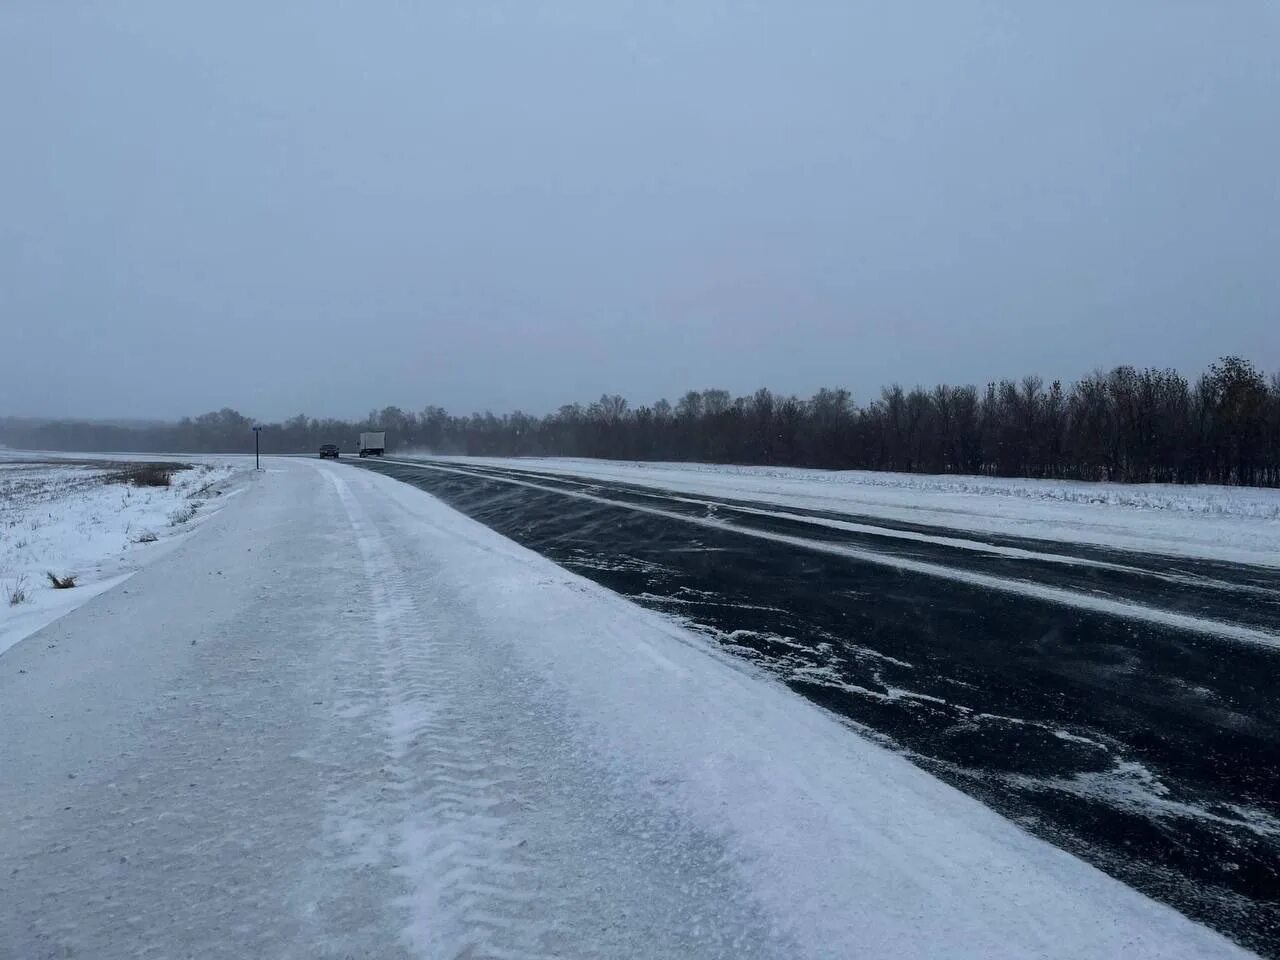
point(1125, 425)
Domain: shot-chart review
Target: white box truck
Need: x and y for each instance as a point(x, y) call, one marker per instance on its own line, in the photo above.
point(373, 444)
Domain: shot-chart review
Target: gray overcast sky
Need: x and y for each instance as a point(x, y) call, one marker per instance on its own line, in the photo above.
point(326, 207)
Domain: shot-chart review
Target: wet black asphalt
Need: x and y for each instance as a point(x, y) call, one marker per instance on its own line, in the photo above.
point(1150, 750)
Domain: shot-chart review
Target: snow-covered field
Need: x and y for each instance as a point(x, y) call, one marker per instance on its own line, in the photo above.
point(1236, 524)
point(345, 720)
point(87, 521)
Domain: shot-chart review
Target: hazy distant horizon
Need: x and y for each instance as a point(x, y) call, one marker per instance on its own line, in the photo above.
point(633, 402)
point(338, 207)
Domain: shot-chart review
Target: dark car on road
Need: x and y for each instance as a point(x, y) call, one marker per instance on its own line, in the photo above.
point(328, 450)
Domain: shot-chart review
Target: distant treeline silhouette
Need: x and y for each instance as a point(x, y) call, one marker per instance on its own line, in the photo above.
point(1126, 425)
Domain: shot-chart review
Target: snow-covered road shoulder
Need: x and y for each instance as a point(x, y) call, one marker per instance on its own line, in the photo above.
point(94, 522)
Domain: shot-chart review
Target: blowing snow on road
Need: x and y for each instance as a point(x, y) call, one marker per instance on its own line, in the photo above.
point(345, 720)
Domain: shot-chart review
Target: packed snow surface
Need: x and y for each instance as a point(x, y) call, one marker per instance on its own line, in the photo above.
point(1237, 524)
point(344, 720)
point(87, 521)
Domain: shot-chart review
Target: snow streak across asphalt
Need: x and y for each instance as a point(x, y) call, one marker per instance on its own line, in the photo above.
point(344, 720)
point(1120, 704)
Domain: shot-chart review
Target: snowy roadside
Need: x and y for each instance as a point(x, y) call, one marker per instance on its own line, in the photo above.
point(87, 520)
point(1235, 524)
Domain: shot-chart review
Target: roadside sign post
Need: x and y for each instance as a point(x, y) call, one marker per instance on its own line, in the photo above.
point(257, 463)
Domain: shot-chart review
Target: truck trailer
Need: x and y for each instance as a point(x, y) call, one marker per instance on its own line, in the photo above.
point(373, 444)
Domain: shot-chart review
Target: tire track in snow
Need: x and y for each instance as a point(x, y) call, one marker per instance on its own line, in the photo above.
point(472, 892)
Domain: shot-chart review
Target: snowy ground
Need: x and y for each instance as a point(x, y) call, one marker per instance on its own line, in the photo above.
point(87, 521)
point(344, 720)
point(1235, 524)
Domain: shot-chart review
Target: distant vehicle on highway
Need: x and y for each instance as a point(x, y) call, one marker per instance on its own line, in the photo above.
point(373, 444)
point(328, 450)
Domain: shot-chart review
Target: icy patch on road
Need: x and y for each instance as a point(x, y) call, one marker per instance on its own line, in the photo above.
point(1101, 773)
point(591, 561)
point(1132, 786)
point(82, 520)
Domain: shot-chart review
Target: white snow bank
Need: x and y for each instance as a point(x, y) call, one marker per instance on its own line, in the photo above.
point(1237, 524)
point(75, 519)
point(847, 847)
